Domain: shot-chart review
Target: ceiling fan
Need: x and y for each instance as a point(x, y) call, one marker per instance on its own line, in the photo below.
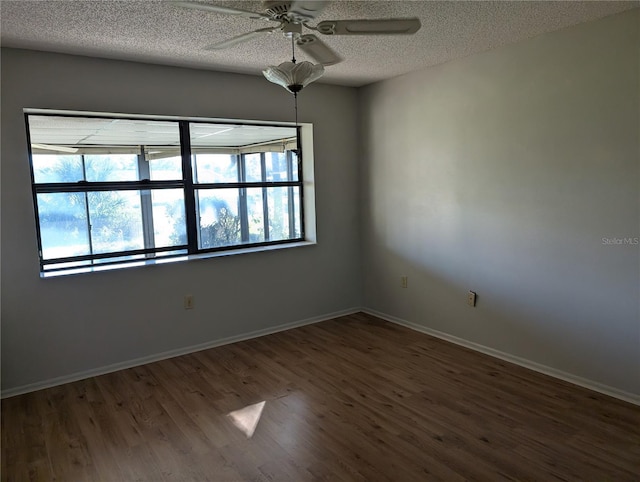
point(292, 16)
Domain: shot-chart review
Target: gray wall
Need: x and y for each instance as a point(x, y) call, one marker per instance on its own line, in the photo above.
point(501, 173)
point(56, 327)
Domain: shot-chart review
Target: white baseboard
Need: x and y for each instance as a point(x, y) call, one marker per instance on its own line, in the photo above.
point(567, 377)
point(74, 377)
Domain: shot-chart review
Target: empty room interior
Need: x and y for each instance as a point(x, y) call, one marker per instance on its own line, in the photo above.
point(312, 240)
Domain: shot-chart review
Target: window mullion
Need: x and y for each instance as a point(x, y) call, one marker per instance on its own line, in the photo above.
point(189, 192)
point(299, 155)
point(290, 203)
point(86, 206)
point(265, 203)
point(146, 205)
point(242, 199)
point(84, 186)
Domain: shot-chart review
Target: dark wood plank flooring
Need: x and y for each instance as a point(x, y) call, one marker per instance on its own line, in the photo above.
point(350, 399)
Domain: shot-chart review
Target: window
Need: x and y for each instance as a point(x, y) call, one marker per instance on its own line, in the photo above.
point(119, 190)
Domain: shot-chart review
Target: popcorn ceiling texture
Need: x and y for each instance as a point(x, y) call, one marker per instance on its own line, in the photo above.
point(155, 31)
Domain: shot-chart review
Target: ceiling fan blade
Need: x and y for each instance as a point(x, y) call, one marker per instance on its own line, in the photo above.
point(318, 50)
point(220, 9)
point(391, 26)
point(245, 37)
point(304, 10)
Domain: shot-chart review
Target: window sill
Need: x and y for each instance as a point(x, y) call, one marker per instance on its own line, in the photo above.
point(177, 259)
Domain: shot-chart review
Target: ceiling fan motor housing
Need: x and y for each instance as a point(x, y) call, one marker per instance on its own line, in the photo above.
point(291, 29)
point(292, 15)
point(276, 9)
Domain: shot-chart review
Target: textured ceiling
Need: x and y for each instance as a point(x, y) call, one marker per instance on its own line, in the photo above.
point(155, 31)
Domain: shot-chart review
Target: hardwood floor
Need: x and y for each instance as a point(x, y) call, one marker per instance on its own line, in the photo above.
point(350, 399)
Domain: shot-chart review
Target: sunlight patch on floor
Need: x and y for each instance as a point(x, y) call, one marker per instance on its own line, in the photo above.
point(247, 418)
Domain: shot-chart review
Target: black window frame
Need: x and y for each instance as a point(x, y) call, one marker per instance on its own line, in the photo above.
point(189, 188)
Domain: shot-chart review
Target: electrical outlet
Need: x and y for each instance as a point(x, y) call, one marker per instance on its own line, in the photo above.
point(188, 302)
point(471, 298)
point(404, 281)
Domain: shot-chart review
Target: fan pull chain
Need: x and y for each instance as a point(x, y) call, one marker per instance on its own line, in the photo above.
point(293, 49)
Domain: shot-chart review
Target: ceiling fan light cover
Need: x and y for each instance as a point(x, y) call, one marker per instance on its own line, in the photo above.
point(293, 76)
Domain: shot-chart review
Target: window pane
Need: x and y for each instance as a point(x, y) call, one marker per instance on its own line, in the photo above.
point(252, 168)
point(294, 165)
point(165, 168)
point(276, 166)
point(210, 168)
point(64, 230)
point(110, 146)
point(218, 219)
point(169, 224)
point(281, 166)
point(55, 168)
point(281, 213)
point(116, 221)
point(111, 167)
point(255, 210)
